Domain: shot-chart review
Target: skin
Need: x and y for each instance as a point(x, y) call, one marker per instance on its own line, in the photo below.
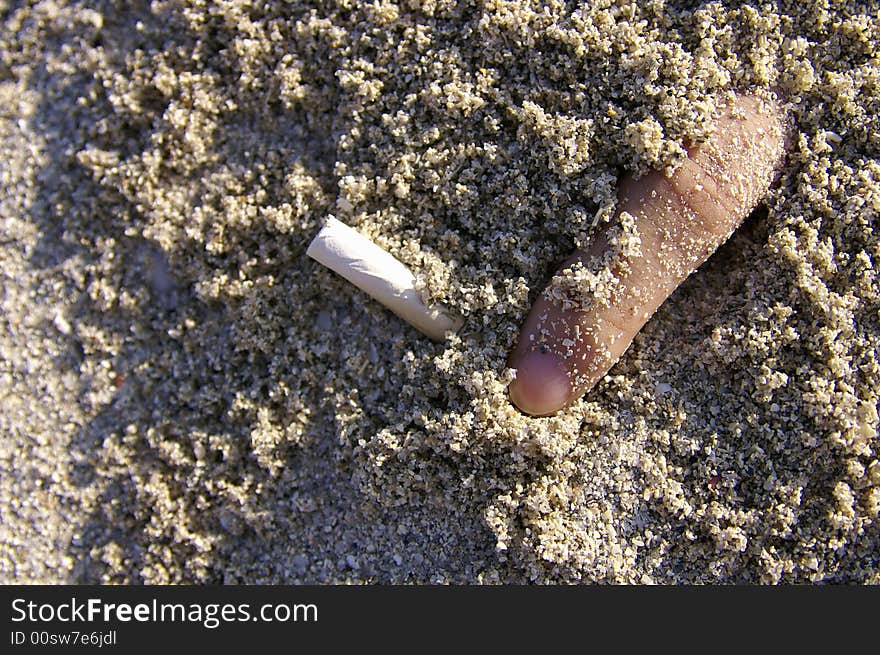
point(566, 347)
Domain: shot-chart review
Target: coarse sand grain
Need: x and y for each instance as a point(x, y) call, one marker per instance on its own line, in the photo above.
point(187, 397)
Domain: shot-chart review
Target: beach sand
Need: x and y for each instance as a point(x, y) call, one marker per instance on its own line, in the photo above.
point(186, 397)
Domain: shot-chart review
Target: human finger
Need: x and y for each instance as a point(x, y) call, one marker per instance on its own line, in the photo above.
point(666, 227)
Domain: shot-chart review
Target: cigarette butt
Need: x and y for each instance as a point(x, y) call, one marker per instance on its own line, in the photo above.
point(375, 271)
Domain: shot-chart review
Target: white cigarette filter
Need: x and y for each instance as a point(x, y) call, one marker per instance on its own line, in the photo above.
point(375, 271)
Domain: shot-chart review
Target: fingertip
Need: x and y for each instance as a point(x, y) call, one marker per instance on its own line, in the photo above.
point(541, 386)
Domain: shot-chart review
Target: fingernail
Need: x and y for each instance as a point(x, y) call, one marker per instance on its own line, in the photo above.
point(541, 386)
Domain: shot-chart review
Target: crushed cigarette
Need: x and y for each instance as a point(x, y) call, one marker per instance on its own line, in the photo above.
point(381, 275)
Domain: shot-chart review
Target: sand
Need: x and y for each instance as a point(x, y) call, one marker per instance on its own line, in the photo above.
point(187, 397)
